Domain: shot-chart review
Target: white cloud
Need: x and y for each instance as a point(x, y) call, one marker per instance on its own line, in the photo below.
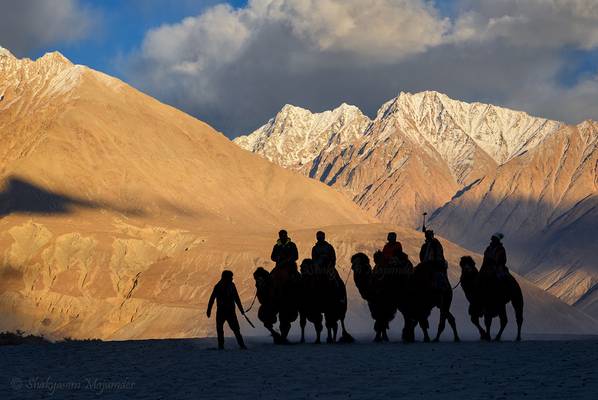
point(235, 68)
point(29, 25)
point(532, 23)
point(381, 28)
point(198, 43)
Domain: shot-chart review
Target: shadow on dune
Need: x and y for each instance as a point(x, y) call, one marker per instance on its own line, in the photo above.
point(20, 196)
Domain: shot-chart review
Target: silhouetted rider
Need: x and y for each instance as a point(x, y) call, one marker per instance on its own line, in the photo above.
point(431, 250)
point(226, 296)
point(285, 253)
point(392, 251)
point(323, 254)
point(495, 257)
point(432, 253)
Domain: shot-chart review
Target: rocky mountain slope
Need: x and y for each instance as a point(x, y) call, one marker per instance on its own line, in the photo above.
point(484, 168)
point(546, 202)
point(87, 163)
point(118, 213)
point(416, 141)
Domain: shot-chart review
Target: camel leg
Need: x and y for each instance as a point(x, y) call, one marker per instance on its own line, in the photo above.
point(332, 329)
point(517, 302)
point(476, 321)
point(441, 325)
point(519, 318)
point(275, 335)
point(385, 335)
point(378, 329)
point(285, 327)
point(424, 327)
point(453, 324)
point(345, 336)
point(502, 315)
point(408, 335)
point(332, 332)
point(488, 323)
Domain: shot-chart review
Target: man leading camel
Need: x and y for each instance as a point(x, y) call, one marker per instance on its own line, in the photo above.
point(226, 296)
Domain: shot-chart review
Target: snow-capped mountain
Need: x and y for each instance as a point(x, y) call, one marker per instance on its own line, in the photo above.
point(460, 131)
point(416, 140)
point(483, 168)
point(454, 129)
point(296, 136)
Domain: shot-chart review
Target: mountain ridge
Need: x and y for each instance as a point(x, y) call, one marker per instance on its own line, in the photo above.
point(427, 152)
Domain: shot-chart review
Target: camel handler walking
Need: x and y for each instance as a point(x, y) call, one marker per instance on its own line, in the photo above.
point(226, 296)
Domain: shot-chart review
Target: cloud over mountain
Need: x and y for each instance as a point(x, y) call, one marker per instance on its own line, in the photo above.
point(237, 66)
point(28, 25)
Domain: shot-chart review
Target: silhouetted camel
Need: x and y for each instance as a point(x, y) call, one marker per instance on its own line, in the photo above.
point(488, 296)
point(412, 291)
point(278, 293)
point(323, 292)
point(312, 299)
point(380, 290)
point(429, 288)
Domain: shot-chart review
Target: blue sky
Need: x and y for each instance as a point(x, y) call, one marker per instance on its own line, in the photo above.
point(121, 26)
point(235, 66)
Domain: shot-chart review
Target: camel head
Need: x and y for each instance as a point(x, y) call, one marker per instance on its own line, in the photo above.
point(360, 263)
point(307, 267)
point(468, 268)
point(261, 276)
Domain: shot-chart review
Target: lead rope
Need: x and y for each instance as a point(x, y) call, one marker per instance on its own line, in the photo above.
point(252, 302)
point(347, 277)
point(457, 285)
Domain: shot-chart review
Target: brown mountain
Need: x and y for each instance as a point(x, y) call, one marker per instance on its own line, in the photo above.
point(118, 213)
point(546, 202)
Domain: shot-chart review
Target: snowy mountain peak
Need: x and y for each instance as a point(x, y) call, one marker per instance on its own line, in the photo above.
point(458, 130)
point(296, 136)
point(5, 53)
point(51, 75)
point(54, 57)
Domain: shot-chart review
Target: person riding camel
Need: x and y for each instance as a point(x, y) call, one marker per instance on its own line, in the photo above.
point(432, 252)
point(226, 296)
point(323, 254)
point(392, 251)
point(285, 253)
point(495, 257)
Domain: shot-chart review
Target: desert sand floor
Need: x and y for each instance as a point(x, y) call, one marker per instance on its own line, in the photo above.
point(193, 369)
